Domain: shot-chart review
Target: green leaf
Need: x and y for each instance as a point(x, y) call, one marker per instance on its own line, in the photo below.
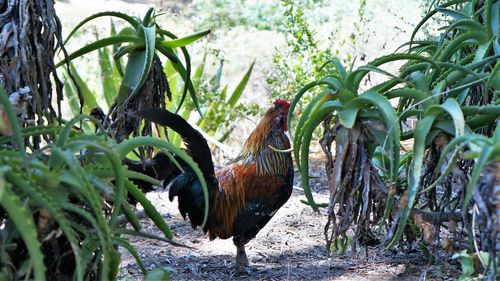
point(354, 78)
point(420, 98)
point(421, 133)
point(184, 72)
point(44, 200)
point(487, 155)
point(181, 42)
point(332, 83)
point(348, 115)
point(135, 24)
point(119, 175)
point(338, 65)
point(453, 109)
point(198, 73)
point(92, 197)
point(125, 244)
point(12, 117)
point(455, 144)
point(492, 18)
point(128, 145)
point(97, 45)
point(466, 262)
point(88, 97)
point(149, 208)
point(456, 15)
point(466, 24)
point(138, 67)
point(23, 220)
point(109, 76)
point(430, 14)
point(421, 130)
point(158, 275)
point(466, 39)
point(421, 82)
point(34, 131)
point(147, 20)
point(316, 117)
point(130, 215)
point(72, 97)
point(315, 103)
point(494, 80)
point(235, 96)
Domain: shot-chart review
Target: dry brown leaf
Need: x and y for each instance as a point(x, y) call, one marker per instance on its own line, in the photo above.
point(448, 244)
point(419, 220)
point(5, 124)
point(429, 232)
point(403, 202)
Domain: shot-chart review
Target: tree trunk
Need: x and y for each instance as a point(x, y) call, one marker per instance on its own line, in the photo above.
point(30, 33)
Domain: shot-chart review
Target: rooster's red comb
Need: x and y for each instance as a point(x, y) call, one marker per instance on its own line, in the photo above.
point(282, 103)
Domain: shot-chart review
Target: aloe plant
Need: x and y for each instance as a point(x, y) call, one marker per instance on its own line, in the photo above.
point(143, 39)
point(63, 187)
point(450, 85)
point(143, 85)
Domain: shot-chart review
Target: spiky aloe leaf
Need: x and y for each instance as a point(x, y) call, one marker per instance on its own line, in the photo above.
point(99, 44)
point(135, 24)
point(181, 42)
point(333, 84)
point(488, 153)
point(338, 65)
point(315, 103)
point(119, 175)
point(94, 201)
point(430, 14)
point(184, 72)
point(492, 18)
point(316, 117)
point(149, 208)
point(128, 145)
point(354, 78)
point(138, 66)
point(109, 76)
point(235, 96)
point(423, 127)
point(88, 100)
point(456, 15)
point(23, 221)
point(127, 246)
point(44, 200)
point(16, 129)
point(33, 131)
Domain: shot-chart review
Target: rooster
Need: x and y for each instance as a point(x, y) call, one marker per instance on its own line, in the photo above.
point(245, 194)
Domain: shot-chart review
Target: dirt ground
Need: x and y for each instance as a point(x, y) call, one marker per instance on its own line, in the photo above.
point(290, 247)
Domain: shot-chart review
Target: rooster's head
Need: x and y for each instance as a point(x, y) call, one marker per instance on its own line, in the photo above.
point(279, 113)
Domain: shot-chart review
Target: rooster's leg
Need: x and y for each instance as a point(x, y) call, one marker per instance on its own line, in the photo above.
point(241, 259)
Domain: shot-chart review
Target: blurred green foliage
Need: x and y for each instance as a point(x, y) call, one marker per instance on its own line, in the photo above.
point(258, 14)
point(221, 110)
point(301, 62)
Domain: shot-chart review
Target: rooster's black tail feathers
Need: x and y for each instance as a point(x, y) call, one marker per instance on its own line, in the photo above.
point(196, 145)
point(186, 185)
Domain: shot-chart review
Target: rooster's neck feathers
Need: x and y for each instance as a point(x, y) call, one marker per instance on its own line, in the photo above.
point(258, 139)
point(256, 149)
